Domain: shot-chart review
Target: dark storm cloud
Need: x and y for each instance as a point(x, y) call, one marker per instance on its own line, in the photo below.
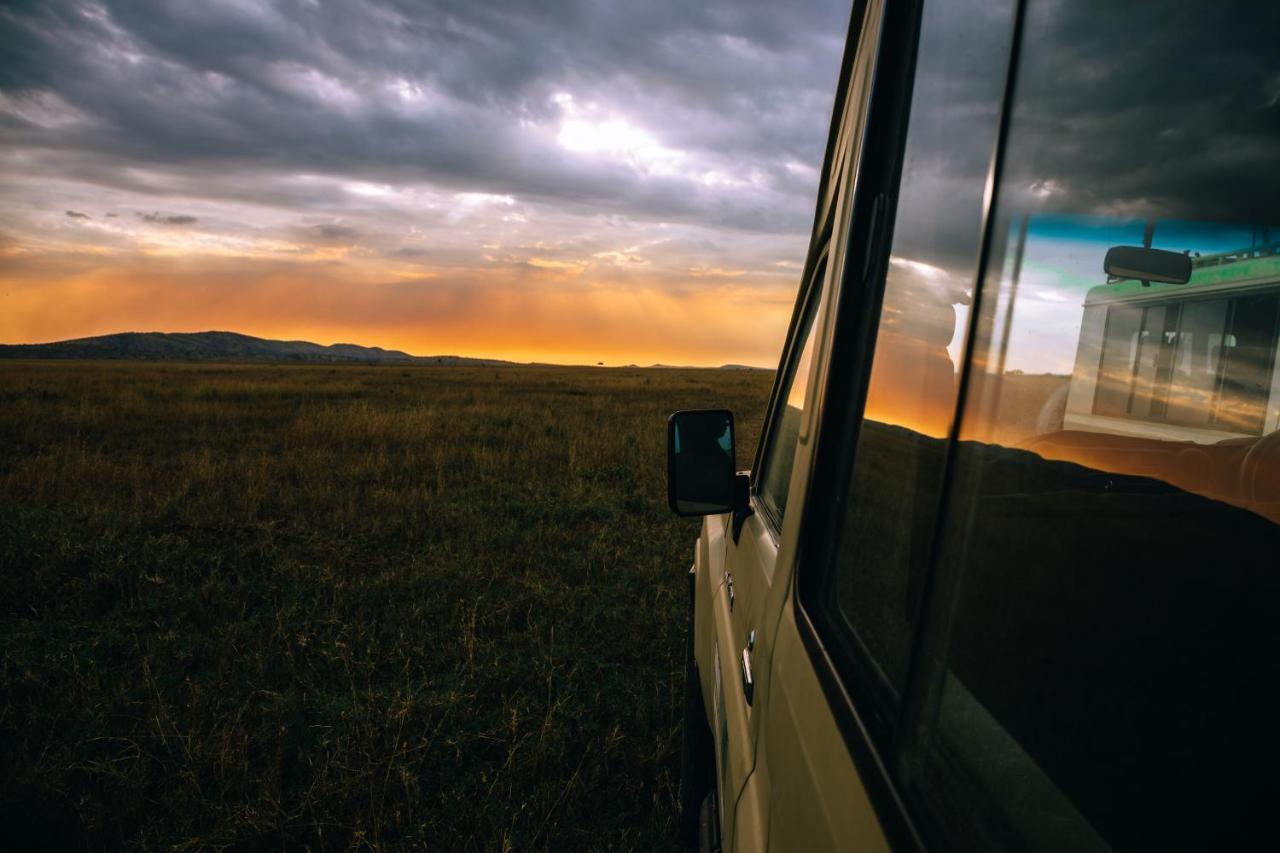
point(960, 77)
point(169, 219)
point(1169, 111)
point(455, 94)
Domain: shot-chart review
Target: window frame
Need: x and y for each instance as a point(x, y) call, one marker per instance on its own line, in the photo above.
point(830, 191)
point(858, 312)
point(857, 301)
point(802, 327)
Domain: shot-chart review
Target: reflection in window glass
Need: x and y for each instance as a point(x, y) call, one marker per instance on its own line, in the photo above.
point(1249, 365)
point(1119, 358)
point(1198, 362)
point(775, 479)
point(1099, 668)
point(911, 395)
point(1155, 361)
point(1195, 363)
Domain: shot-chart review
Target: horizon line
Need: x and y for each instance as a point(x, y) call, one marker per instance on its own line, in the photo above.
point(459, 355)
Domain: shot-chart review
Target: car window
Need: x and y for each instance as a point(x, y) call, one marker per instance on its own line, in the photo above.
point(1198, 362)
point(1099, 668)
point(784, 430)
point(883, 540)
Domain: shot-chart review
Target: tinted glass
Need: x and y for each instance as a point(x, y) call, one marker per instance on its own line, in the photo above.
point(1100, 664)
point(1248, 365)
point(701, 466)
point(1119, 360)
point(775, 479)
point(885, 537)
point(1201, 329)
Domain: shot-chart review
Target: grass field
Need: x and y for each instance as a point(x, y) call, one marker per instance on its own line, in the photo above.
point(342, 607)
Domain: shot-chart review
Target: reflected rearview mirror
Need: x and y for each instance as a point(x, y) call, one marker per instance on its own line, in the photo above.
point(1147, 265)
point(700, 462)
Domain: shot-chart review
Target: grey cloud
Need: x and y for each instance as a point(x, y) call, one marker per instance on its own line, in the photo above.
point(75, 214)
point(1176, 121)
point(292, 87)
point(333, 232)
point(170, 219)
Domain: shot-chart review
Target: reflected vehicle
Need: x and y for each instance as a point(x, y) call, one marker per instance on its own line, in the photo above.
point(1184, 376)
point(1004, 571)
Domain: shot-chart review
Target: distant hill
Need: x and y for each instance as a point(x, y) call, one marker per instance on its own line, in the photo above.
point(662, 366)
point(225, 346)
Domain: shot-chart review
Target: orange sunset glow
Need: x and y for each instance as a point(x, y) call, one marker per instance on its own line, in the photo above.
point(542, 316)
point(647, 206)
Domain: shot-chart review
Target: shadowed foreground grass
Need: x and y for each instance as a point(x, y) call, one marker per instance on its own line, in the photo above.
point(342, 607)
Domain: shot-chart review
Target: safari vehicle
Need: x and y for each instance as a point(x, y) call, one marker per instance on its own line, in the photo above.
point(1186, 361)
point(1004, 573)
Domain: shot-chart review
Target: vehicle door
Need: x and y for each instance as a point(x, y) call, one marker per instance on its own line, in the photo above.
point(1036, 630)
point(907, 270)
point(757, 546)
point(752, 549)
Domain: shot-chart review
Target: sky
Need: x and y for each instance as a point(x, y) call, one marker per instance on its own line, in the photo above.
point(552, 180)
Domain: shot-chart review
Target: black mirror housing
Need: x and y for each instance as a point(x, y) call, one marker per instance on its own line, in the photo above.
point(701, 462)
point(1146, 265)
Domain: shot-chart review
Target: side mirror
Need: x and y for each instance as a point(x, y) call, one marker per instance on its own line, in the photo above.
point(1147, 265)
point(700, 462)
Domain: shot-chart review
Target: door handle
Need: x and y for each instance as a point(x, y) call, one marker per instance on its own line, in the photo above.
point(748, 678)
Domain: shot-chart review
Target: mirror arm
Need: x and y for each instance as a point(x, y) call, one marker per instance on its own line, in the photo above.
point(741, 503)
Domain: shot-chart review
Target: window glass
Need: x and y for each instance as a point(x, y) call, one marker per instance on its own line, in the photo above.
point(1099, 666)
point(1119, 360)
point(886, 534)
point(1248, 365)
point(779, 457)
point(1194, 377)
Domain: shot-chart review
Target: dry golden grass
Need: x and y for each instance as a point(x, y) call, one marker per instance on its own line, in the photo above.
point(343, 607)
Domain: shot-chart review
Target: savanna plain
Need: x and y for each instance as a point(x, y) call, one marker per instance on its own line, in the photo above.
point(260, 607)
